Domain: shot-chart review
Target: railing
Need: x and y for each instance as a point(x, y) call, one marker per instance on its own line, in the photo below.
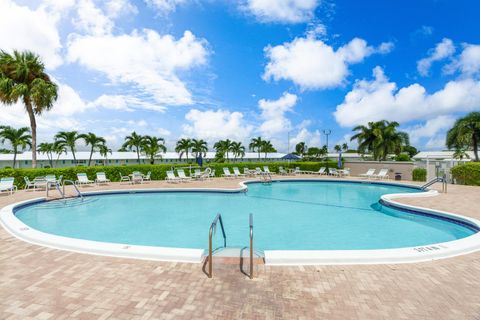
point(251, 246)
point(57, 186)
point(213, 227)
point(443, 180)
point(266, 177)
point(74, 186)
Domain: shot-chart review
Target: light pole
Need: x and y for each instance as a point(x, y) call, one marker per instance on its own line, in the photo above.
point(327, 133)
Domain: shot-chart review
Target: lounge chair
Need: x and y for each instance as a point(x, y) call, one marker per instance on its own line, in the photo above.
point(137, 177)
point(258, 171)
point(248, 173)
point(197, 174)
point(298, 171)
point(83, 179)
point(227, 173)
point(382, 174)
point(29, 184)
point(333, 172)
point(101, 178)
point(370, 173)
point(6, 184)
point(148, 177)
point(237, 172)
point(171, 177)
point(212, 173)
point(205, 175)
point(346, 172)
point(320, 171)
point(282, 171)
point(183, 176)
point(124, 178)
point(266, 169)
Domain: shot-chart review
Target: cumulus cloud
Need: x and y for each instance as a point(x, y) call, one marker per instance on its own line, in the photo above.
point(313, 64)
point(273, 114)
point(34, 30)
point(430, 128)
point(213, 125)
point(442, 50)
point(165, 6)
point(281, 11)
point(117, 8)
point(145, 59)
point(467, 63)
point(381, 99)
point(311, 138)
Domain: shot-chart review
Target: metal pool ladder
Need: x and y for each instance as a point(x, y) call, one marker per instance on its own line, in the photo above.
point(251, 246)
point(74, 186)
point(443, 180)
point(213, 228)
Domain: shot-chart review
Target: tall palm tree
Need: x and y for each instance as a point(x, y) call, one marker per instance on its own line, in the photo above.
point(152, 147)
point(58, 149)
point(337, 148)
point(18, 138)
point(465, 133)
point(238, 150)
point(223, 147)
point(345, 147)
point(104, 151)
point(199, 148)
point(460, 154)
point(380, 138)
point(183, 147)
point(133, 142)
point(68, 139)
point(256, 145)
point(48, 149)
point(301, 148)
point(94, 141)
point(267, 147)
point(23, 77)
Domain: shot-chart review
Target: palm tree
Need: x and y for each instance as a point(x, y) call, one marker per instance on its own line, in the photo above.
point(465, 133)
point(337, 148)
point(18, 138)
point(58, 149)
point(199, 148)
point(152, 146)
point(460, 154)
point(183, 147)
point(223, 147)
point(256, 145)
point(345, 147)
point(133, 142)
point(104, 151)
point(301, 149)
point(23, 77)
point(94, 141)
point(68, 139)
point(381, 138)
point(237, 149)
point(267, 147)
point(47, 148)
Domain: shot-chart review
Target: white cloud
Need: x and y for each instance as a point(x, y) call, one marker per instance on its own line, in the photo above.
point(311, 138)
point(281, 11)
point(125, 103)
point(380, 99)
point(117, 8)
point(91, 19)
point(213, 125)
point(313, 64)
point(165, 6)
point(442, 50)
point(143, 58)
point(164, 132)
point(36, 30)
point(273, 114)
point(430, 128)
point(468, 62)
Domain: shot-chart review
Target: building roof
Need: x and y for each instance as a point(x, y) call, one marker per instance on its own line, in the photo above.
point(442, 155)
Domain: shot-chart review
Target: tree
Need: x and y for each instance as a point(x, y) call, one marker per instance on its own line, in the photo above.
point(104, 151)
point(344, 147)
point(199, 148)
point(465, 133)
point(152, 146)
point(23, 77)
point(18, 138)
point(256, 145)
point(68, 139)
point(237, 149)
point(301, 149)
point(380, 138)
point(460, 154)
point(133, 142)
point(337, 148)
point(47, 148)
point(267, 147)
point(95, 142)
point(317, 153)
point(223, 147)
point(183, 147)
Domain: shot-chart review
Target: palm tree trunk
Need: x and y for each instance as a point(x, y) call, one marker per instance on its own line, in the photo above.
point(74, 158)
point(14, 157)
point(90, 158)
point(33, 126)
point(475, 146)
point(138, 155)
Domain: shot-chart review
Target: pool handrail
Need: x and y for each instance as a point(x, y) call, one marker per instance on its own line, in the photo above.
point(251, 246)
point(442, 179)
point(213, 227)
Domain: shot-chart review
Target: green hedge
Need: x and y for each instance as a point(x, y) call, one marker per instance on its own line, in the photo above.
point(158, 170)
point(419, 174)
point(468, 173)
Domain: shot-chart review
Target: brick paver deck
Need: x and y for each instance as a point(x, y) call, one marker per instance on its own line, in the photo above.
point(42, 283)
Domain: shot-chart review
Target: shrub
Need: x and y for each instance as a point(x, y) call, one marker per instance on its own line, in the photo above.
point(468, 173)
point(158, 170)
point(403, 157)
point(419, 174)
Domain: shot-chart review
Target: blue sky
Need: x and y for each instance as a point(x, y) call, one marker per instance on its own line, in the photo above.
point(218, 69)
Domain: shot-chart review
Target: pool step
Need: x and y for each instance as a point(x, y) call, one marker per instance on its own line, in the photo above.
point(236, 256)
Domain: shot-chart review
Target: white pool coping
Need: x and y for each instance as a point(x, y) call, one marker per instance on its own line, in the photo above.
point(272, 257)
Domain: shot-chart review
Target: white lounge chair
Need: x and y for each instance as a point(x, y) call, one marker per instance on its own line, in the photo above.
point(197, 174)
point(248, 173)
point(205, 175)
point(183, 176)
point(258, 171)
point(124, 178)
point(346, 172)
point(320, 171)
point(333, 172)
point(101, 178)
point(227, 173)
point(370, 172)
point(237, 172)
point(266, 169)
point(382, 174)
point(29, 184)
point(83, 179)
point(6, 184)
point(212, 173)
point(137, 177)
point(282, 171)
point(171, 177)
point(148, 177)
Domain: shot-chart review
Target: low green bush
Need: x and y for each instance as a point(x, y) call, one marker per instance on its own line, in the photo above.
point(158, 170)
point(468, 173)
point(419, 174)
point(403, 157)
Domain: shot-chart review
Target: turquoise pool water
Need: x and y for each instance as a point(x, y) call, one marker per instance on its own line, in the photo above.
point(287, 215)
